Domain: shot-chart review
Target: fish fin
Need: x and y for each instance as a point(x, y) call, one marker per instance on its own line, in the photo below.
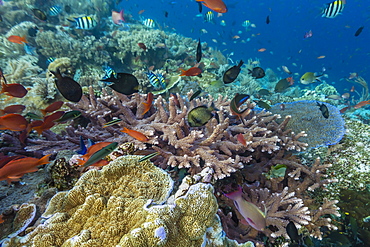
point(235, 194)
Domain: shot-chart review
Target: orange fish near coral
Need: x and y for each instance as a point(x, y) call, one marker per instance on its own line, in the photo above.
point(15, 169)
point(47, 123)
point(148, 103)
point(12, 109)
point(17, 39)
point(15, 90)
point(53, 107)
point(13, 122)
point(142, 46)
point(361, 104)
point(193, 71)
point(90, 151)
point(135, 134)
point(241, 139)
point(216, 5)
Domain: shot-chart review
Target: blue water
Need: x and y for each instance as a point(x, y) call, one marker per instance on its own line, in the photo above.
point(283, 37)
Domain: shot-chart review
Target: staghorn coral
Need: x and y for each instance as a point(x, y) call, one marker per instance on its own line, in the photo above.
point(213, 146)
point(118, 206)
point(297, 197)
point(22, 70)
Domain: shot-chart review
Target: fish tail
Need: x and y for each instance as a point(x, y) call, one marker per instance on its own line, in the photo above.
point(44, 160)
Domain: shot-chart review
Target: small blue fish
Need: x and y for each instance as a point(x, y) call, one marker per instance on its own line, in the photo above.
point(108, 72)
point(83, 148)
point(29, 49)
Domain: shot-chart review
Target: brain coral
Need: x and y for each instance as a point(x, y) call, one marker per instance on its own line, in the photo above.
point(120, 206)
point(307, 116)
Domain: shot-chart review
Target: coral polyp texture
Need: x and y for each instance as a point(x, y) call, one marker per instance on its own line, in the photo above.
point(306, 116)
point(122, 205)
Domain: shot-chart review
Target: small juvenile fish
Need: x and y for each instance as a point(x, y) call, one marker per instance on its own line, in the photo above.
point(113, 122)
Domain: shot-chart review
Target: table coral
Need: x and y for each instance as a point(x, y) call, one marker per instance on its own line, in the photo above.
point(306, 116)
point(121, 206)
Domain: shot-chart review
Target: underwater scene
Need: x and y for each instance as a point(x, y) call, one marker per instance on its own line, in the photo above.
point(184, 123)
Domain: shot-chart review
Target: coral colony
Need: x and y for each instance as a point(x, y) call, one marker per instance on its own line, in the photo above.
point(136, 140)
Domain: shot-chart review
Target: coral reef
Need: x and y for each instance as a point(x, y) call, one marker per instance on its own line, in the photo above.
point(350, 159)
point(119, 206)
point(306, 116)
point(213, 146)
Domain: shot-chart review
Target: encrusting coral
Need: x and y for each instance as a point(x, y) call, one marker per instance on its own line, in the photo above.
point(120, 205)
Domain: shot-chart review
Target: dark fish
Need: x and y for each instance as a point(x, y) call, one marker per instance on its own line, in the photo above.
point(124, 83)
point(268, 19)
point(358, 32)
point(199, 52)
point(68, 87)
point(263, 104)
point(281, 85)
point(231, 74)
point(102, 153)
point(166, 14)
point(200, 7)
point(69, 116)
point(194, 95)
point(67, 9)
point(200, 115)
point(147, 157)
point(324, 109)
point(264, 92)
point(292, 231)
point(257, 72)
point(39, 14)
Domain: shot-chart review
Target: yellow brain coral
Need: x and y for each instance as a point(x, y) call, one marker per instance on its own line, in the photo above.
point(121, 205)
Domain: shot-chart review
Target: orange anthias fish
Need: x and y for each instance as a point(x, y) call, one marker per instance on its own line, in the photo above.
point(17, 39)
point(13, 122)
point(47, 123)
point(241, 139)
point(135, 134)
point(361, 104)
point(216, 5)
point(12, 109)
point(53, 107)
point(90, 151)
point(15, 90)
point(148, 103)
point(193, 71)
point(142, 46)
point(15, 169)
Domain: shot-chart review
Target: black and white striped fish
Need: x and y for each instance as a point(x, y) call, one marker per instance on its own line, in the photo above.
point(85, 22)
point(333, 9)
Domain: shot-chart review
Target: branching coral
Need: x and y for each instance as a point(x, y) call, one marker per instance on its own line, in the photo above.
point(213, 146)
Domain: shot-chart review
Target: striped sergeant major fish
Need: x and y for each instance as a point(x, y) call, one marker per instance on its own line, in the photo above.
point(149, 23)
point(55, 10)
point(333, 9)
point(156, 80)
point(85, 22)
